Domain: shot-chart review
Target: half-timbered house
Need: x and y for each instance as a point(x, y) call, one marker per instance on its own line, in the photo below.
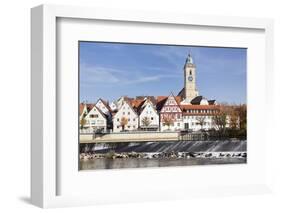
point(170, 113)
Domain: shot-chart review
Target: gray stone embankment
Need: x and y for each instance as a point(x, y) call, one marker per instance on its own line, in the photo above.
point(129, 137)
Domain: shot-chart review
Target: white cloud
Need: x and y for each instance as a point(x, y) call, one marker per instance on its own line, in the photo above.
point(105, 75)
point(176, 55)
point(91, 74)
point(145, 79)
point(170, 54)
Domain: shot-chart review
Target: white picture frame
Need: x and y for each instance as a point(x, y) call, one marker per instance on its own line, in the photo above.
point(44, 135)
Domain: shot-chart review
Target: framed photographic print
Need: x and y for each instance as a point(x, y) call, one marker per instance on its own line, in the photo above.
point(143, 127)
point(151, 106)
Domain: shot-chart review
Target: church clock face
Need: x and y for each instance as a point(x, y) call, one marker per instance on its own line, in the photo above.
point(190, 78)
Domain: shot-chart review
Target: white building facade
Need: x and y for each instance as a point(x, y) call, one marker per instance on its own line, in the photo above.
point(198, 117)
point(198, 122)
point(148, 117)
point(95, 120)
point(103, 106)
point(126, 119)
point(113, 106)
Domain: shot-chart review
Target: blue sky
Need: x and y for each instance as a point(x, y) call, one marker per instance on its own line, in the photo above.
point(111, 70)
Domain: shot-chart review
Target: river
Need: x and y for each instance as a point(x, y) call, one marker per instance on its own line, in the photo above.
point(216, 150)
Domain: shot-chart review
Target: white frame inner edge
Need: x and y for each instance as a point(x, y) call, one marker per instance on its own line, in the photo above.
point(44, 84)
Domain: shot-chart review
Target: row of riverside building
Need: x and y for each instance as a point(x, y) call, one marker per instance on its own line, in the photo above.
point(186, 111)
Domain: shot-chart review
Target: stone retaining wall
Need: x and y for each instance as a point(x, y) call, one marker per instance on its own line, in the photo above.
point(130, 137)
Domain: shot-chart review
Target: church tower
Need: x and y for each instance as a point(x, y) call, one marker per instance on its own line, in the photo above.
point(190, 90)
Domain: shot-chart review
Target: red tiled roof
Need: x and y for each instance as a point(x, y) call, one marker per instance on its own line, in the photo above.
point(128, 99)
point(178, 99)
point(133, 108)
point(151, 98)
point(187, 107)
point(89, 107)
point(81, 108)
point(160, 101)
point(136, 103)
point(161, 98)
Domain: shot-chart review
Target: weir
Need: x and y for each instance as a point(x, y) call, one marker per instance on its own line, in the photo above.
point(168, 146)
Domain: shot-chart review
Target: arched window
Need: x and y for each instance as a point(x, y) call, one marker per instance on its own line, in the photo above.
point(190, 72)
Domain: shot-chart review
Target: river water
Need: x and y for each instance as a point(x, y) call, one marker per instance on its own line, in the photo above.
point(142, 163)
point(213, 147)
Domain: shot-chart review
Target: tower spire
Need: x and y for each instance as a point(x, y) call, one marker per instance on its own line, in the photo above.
point(189, 59)
point(190, 90)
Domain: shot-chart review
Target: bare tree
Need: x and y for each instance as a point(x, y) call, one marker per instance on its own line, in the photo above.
point(236, 116)
point(220, 118)
point(242, 115)
point(233, 118)
point(146, 122)
point(168, 121)
point(124, 122)
point(82, 122)
point(201, 120)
